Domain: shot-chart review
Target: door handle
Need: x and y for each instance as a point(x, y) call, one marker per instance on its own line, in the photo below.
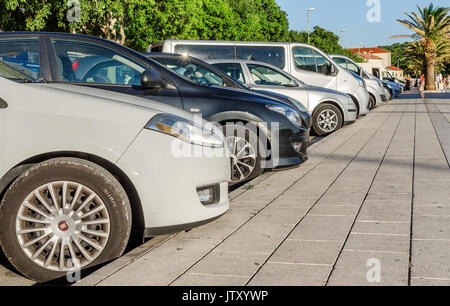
point(3, 103)
point(194, 110)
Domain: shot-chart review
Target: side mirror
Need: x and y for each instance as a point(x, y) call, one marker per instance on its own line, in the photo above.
point(331, 70)
point(152, 79)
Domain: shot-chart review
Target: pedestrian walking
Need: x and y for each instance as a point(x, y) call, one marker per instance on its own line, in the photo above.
point(408, 83)
point(422, 82)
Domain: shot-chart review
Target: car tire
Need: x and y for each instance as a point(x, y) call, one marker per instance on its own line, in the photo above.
point(372, 102)
point(327, 119)
point(92, 228)
point(247, 164)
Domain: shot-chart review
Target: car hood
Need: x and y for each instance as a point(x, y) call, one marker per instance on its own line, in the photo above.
point(148, 104)
point(250, 95)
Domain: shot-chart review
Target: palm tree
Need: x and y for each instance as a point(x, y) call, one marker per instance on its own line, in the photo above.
point(431, 26)
point(415, 56)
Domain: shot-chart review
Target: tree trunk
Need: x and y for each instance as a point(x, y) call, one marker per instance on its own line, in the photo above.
point(430, 55)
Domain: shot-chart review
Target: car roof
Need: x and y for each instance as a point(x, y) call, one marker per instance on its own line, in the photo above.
point(242, 61)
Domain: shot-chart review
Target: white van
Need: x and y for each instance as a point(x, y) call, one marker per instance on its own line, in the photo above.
point(305, 62)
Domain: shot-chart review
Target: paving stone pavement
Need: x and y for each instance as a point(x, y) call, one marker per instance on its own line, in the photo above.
point(370, 207)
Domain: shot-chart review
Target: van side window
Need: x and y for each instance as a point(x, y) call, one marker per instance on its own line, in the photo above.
point(232, 70)
point(269, 55)
point(304, 59)
point(206, 52)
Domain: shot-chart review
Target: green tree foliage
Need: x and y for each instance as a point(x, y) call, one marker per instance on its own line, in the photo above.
point(430, 26)
point(138, 23)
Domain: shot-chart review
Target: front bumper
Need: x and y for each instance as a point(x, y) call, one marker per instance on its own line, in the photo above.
point(167, 183)
point(292, 145)
point(362, 95)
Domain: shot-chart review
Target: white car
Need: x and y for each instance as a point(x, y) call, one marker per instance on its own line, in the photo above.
point(329, 109)
point(81, 168)
point(374, 86)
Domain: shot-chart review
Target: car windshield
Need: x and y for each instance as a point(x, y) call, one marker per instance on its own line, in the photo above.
point(11, 73)
point(264, 75)
point(191, 71)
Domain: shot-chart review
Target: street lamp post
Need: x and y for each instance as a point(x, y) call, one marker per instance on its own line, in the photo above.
point(342, 32)
point(307, 18)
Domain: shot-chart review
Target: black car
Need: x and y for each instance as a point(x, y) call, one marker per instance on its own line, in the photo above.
point(95, 62)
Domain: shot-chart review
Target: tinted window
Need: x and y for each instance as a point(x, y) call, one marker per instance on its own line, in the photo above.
point(270, 55)
point(233, 70)
point(89, 63)
point(22, 55)
point(192, 71)
point(304, 59)
point(263, 75)
point(206, 52)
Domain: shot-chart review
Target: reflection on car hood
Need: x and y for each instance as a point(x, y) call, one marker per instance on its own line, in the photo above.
point(115, 96)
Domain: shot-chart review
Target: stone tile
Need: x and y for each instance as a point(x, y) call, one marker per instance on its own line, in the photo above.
point(429, 282)
point(352, 268)
point(378, 242)
point(256, 237)
point(435, 227)
point(307, 252)
point(235, 264)
point(389, 197)
point(197, 280)
point(431, 210)
point(273, 274)
point(327, 228)
point(335, 210)
point(382, 228)
point(385, 211)
point(430, 258)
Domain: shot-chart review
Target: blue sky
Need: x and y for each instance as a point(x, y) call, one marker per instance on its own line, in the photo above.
point(351, 15)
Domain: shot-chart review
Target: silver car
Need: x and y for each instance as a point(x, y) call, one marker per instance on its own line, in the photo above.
point(330, 109)
point(374, 85)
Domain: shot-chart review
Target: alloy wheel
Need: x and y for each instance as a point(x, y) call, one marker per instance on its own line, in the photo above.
point(327, 120)
point(243, 156)
point(62, 225)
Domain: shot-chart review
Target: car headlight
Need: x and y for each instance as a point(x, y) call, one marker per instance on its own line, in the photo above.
point(186, 130)
point(299, 105)
point(349, 101)
point(288, 112)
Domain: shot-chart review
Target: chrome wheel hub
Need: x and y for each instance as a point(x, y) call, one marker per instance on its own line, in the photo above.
point(327, 120)
point(62, 226)
point(244, 157)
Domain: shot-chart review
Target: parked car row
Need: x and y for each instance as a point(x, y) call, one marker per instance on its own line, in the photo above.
point(100, 143)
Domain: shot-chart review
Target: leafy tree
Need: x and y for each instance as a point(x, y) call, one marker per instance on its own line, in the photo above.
point(260, 20)
point(431, 25)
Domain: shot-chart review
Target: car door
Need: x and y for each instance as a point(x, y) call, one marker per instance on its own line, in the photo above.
point(20, 60)
point(92, 64)
point(262, 77)
point(312, 67)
